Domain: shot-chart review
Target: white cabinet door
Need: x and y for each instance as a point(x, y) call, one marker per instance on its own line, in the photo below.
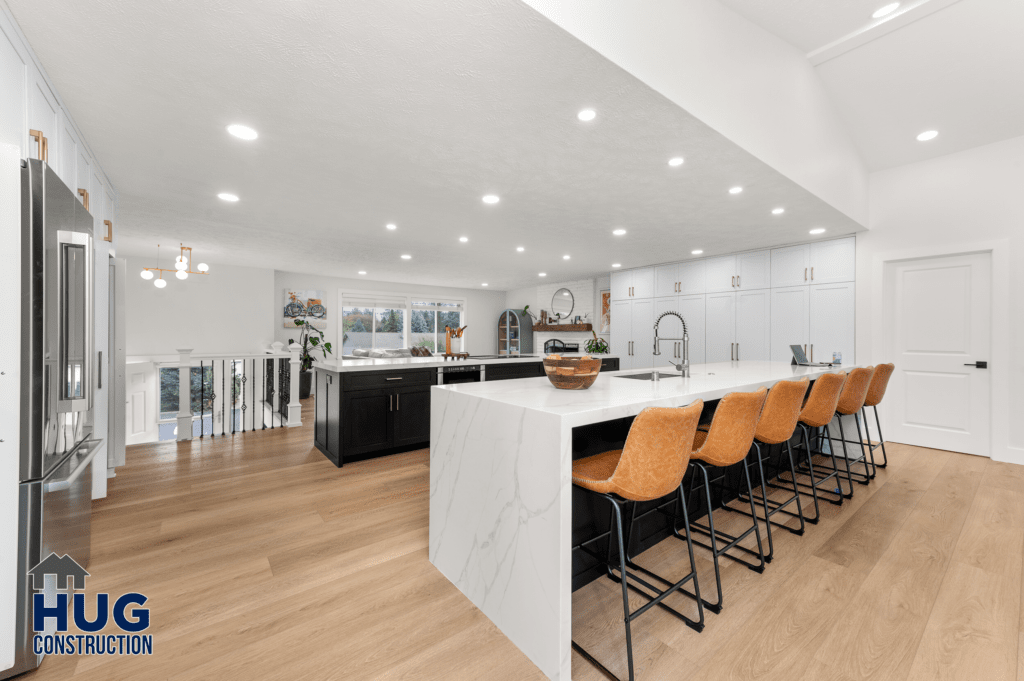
point(621, 332)
point(720, 274)
point(791, 313)
point(643, 283)
point(832, 322)
point(833, 261)
point(643, 333)
point(68, 155)
point(13, 126)
point(754, 270)
point(720, 335)
point(791, 266)
point(753, 325)
point(84, 179)
point(691, 277)
point(621, 283)
point(44, 115)
point(692, 309)
point(666, 280)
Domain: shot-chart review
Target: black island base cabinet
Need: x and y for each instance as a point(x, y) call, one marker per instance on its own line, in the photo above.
point(364, 414)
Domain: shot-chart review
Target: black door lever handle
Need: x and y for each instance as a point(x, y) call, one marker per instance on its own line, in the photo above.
point(980, 365)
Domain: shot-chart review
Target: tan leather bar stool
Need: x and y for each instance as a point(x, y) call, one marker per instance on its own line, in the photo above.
point(775, 427)
point(876, 391)
point(650, 466)
point(817, 413)
point(851, 401)
point(724, 444)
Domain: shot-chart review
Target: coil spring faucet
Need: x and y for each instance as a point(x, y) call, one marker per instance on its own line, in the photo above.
point(684, 366)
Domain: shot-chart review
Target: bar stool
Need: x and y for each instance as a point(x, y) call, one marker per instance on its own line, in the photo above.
point(817, 413)
point(776, 426)
point(650, 466)
point(876, 391)
point(726, 443)
point(851, 401)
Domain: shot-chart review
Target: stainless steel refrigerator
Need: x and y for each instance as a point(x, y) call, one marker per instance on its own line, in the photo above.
point(59, 367)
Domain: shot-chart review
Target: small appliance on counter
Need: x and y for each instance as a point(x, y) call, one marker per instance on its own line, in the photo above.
point(555, 345)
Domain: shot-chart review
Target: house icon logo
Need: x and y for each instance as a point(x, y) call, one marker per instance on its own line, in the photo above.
point(69, 573)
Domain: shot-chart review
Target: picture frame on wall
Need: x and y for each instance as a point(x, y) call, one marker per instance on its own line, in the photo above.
point(605, 324)
point(304, 304)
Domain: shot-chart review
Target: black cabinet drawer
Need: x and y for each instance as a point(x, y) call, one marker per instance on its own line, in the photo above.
point(504, 372)
point(609, 364)
point(373, 380)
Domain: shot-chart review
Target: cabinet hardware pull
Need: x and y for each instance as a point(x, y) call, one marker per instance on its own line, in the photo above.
point(812, 274)
point(41, 141)
point(812, 345)
point(733, 280)
point(110, 230)
point(391, 405)
point(732, 351)
point(397, 378)
point(398, 402)
point(805, 279)
point(84, 193)
point(737, 352)
point(737, 281)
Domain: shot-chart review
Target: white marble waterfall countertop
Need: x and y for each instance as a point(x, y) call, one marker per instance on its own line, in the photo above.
point(368, 364)
point(501, 487)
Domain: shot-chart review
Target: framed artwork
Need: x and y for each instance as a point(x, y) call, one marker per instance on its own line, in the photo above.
point(605, 325)
point(307, 304)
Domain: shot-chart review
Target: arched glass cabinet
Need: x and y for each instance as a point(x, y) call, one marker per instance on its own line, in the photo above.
point(515, 333)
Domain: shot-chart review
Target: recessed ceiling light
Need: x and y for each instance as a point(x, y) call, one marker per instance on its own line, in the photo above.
point(463, 239)
point(543, 274)
point(927, 135)
point(586, 115)
point(884, 10)
point(778, 211)
point(697, 252)
point(736, 190)
point(391, 225)
point(675, 162)
point(484, 284)
point(520, 249)
point(362, 272)
point(565, 257)
point(231, 198)
point(491, 198)
point(818, 230)
point(619, 232)
point(616, 264)
point(406, 257)
point(242, 132)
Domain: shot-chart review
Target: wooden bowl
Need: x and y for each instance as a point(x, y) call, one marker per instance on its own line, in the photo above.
point(572, 373)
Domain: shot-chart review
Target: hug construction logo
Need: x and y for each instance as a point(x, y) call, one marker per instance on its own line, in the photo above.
point(70, 579)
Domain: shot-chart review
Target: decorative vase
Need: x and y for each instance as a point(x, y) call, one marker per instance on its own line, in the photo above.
point(305, 384)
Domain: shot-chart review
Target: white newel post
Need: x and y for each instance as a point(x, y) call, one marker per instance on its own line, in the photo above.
point(294, 406)
point(184, 394)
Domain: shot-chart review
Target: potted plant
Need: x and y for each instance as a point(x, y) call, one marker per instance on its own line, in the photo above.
point(311, 340)
point(595, 345)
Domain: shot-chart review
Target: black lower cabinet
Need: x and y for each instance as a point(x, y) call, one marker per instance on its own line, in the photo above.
point(411, 416)
point(366, 415)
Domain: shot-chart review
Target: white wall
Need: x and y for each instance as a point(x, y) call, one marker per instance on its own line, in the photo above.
point(230, 310)
point(585, 302)
point(481, 316)
point(746, 83)
point(954, 201)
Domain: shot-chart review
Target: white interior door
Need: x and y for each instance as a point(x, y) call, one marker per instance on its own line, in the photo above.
point(720, 318)
point(939, 324)
point(753, 327)
point(790, 315)
point(141, 403)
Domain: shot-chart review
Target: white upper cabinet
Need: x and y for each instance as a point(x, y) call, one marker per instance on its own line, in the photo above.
point(790, 316)
point(833, 261)
point(68, 156)
point(753, 270)
point(753, 324)
point(791, 266)
point(720, 274)
point(13, 127)
point(84, 178)
point(666, 280)
point(633, 284)
point(621, 284)
point(643, 283)
point(691, 277)
point(832, 322)
point(643, 333)
point(44, 116)
point(720, 325)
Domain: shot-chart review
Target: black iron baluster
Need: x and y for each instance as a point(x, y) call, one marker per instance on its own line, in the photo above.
point(202, 396)
point(263, 390)
point(242, 390)
point(223, 389)
point(273, 377)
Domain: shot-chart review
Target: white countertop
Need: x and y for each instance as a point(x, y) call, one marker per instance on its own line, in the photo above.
point(343, 365)
point(612, 397)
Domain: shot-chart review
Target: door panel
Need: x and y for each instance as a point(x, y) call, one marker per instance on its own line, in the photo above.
point(643, 283)
point(665, 279)
point(832, 322)
point(939, 319)
point(791, 266)
point(643, 333)
point(13, 128)
point(721, 326)
point(692, 309)
point(620, 283)
point(366, 420)
point(141, 405)
point(753, 324)
point(754, 270)
point(621, 333)
point(791, 313)
point(691, 277)
point(720, 274)
point(411, 416)
point(833, 261)
point(42, 116)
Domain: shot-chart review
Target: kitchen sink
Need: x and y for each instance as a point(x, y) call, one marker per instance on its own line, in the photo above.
point(649, 374)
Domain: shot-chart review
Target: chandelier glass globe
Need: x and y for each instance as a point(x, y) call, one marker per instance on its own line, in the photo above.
point(181, 274)
point(147, 275)
point(159, 283)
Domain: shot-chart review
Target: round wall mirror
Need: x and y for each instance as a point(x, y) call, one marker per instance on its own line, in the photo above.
point(562, 302)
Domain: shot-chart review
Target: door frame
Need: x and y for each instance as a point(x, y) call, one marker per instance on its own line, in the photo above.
point(882, 293)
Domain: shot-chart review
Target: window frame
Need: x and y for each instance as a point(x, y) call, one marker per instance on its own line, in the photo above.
point(388, 299)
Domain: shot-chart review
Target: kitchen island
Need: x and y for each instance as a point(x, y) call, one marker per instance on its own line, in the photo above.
point(501, 501)
point(375, 407)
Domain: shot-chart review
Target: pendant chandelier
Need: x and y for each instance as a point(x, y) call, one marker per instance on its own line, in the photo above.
point(181, 267)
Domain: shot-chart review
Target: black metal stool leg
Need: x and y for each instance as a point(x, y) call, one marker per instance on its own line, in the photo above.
point(753, 513)
point(846, 459)
point(881, 440)
point(872, 471)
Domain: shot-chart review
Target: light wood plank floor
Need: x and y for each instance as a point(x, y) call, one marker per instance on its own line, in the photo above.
point(263, 561)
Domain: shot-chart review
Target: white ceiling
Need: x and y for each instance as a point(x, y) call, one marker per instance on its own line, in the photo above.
point(958, 70)
point(390, 111)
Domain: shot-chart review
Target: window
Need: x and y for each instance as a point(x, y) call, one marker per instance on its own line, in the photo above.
point(386, 322)
point(428, 321)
